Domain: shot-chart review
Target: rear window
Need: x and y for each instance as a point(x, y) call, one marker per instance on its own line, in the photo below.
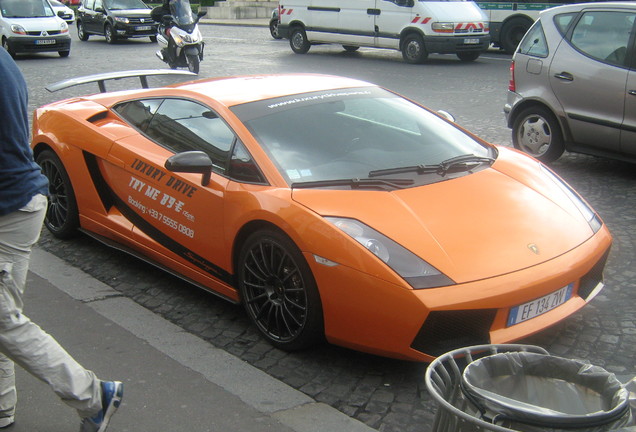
point(534, 42)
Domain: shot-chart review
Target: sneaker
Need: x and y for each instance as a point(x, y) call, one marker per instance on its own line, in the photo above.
point(112, 392)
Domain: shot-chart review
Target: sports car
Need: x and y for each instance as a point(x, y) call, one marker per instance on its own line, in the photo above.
point(331, 208)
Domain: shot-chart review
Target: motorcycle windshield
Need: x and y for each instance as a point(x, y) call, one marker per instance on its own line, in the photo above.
point(182, 13)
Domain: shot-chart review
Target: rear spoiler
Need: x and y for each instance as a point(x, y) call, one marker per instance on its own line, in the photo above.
point(101, 78)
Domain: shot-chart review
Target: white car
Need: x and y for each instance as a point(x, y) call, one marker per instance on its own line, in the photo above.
point(67, 14)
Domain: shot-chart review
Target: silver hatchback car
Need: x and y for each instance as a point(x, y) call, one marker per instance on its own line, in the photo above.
point(573, 83)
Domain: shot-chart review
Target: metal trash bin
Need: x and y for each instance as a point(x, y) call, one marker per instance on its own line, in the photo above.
point(471, 385)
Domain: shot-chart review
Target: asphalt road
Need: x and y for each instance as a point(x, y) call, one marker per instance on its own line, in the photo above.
point(386, 394)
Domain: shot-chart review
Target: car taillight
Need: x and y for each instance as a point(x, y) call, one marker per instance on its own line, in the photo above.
point(511, 83)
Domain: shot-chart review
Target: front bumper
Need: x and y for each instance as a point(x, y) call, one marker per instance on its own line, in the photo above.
point(31, 44)
point(455, 44)
point(135, 30)
point(370, 314)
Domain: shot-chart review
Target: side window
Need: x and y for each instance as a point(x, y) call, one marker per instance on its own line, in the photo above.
point(604, 35)
point(242, 166)
point(98, 5)
point(183, 125)
point(88, 4)
point(534, 42)
point(138, 112)
point(563, 21)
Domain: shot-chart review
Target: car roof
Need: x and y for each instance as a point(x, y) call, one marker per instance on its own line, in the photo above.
point(631, 5)
point(243, 89)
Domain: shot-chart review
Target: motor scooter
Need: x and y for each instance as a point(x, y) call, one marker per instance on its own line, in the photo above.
point(179, 34)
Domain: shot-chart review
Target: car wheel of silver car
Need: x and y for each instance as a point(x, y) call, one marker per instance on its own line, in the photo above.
point(536, 131)
point(413, 49)
point(109, 34)
point(62, 216)
point(81, 33)
point(279, 292)
point(298, 41)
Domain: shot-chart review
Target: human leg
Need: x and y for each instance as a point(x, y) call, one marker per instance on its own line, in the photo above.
point(23, 341)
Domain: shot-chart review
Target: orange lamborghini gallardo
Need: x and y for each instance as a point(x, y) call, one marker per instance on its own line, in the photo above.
point(331, 208)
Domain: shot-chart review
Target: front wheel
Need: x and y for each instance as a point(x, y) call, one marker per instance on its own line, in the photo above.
point(62, 215)
point(298, 41)
point(109, 34)
point(273, 29)
point(153, 39)
point(81, 32)
point(5, 45)
point(193, 62)
point(279, 292)
point(64, 53)
point(537, 132)
point(351, 48)
point(413, 49)
point(468, 56)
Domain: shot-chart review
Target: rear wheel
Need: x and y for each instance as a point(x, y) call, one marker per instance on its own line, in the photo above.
point(537, 132)
point(81, 32)
point(413, 49)
point(62, 216)
point(279, 292)
point(512, 33)
point(273, 29)
point(109, 34)
point(298, 41)
point(193, 63)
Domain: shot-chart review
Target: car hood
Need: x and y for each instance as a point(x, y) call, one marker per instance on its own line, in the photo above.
point(496, 221)
point(37, 24)
point(131, 12)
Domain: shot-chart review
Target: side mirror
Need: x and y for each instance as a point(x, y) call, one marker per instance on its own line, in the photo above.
point(60, 14)
point(448, 116)
point(191, 162)
point(201, 14)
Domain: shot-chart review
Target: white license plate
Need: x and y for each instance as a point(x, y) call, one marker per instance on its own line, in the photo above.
point(142, 28)
point(471, 41)
point(539, 306)
point(45, 42)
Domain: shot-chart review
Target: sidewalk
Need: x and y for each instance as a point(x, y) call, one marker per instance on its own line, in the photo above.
point(173, 380)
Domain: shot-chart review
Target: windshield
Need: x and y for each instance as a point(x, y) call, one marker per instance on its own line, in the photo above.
point(125, 4)
point(182, 12)
point(354, 134)
point(25, 8)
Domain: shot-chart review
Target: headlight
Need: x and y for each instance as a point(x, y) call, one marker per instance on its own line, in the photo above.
point(443, 27)
point(64, 28)
point(18, 29)
point(121, 19)
point(586, 211)
point(417, 272)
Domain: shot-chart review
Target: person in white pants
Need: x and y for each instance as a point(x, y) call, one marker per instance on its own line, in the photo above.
point(23, 206)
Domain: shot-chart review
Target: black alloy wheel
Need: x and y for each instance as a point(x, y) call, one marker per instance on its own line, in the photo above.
point(62, 216)
point(279, 292)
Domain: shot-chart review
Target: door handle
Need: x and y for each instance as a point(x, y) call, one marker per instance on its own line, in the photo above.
point(565, 76)
point(373, 11)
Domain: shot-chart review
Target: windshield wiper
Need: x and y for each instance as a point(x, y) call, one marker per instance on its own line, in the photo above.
point(355, 183)
point(461, 163)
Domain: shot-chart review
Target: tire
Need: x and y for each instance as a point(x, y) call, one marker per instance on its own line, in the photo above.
point(413, 49)
point(109, 34)
point(5, 45)
point(298, 41)
point(62, 216)
point(279, 292)
point(193, 62)
point(81, 33)
point(468, 56)
point(350, 48)
point(512, 33)
point(536, 131)
point(153, 39)
point(64, 53)
point(273, 29)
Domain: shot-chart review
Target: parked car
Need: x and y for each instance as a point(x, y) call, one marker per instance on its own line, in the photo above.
point(571, 85)
point(63, 11)
point(30, 26)
point(391, 231)
point(273, 24)
point(115, 20)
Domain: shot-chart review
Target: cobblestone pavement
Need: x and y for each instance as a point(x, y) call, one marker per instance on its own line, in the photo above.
point(386, 394)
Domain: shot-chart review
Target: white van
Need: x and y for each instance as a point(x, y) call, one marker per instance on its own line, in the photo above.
point(28, 26)
point(415, 27)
